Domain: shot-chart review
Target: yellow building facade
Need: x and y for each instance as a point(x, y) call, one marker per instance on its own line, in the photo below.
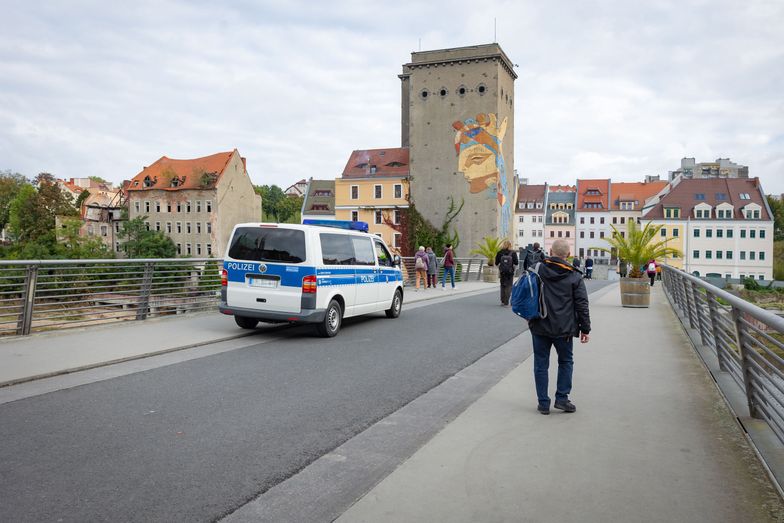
point(673, 232)
point(374, 188)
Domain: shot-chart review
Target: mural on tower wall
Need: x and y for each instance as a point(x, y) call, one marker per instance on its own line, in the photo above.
point(478, 143)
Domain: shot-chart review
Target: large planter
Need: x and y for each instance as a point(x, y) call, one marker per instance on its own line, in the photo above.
point(490, 274)
point(635, 292)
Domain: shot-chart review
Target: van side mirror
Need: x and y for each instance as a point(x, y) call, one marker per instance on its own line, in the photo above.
point(396, 261)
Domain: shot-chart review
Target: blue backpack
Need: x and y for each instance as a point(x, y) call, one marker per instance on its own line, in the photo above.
point(528, 295)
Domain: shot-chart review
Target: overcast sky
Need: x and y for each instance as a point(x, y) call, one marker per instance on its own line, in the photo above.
point(604, 89)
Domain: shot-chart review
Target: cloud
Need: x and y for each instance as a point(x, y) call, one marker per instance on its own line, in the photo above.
point(609, 89)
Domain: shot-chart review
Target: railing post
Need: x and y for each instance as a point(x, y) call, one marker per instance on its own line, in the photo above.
point(744, 362)
point(468, 270)
point(479, 272)
point(25, 322)
point(144, 296)
point(697, 309)
point(687, 294)
point(714, 319)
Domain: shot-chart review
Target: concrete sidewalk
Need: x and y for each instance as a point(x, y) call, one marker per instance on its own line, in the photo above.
point(70, 350)
point(651, 440)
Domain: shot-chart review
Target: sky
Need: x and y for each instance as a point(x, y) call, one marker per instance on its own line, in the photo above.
point(610, 88)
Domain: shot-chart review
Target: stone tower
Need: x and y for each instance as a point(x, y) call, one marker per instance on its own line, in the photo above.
point(458, 122)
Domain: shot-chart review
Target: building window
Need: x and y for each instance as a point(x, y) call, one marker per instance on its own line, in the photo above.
point(719, 255)
point(695, 255)
point(208, 204)
point(761, 255)
point(168, 227)
point(355, 192)
point(696, 233)
point(601, 220)
point(377, 192)
point(354, 216)
point(728, 255)
point(623, 220)
point(198, 249)
point(729, 233)
point(743, 233)
point(116, 246)
point(756, 215)
point(592, 220)
point(560, 234)
point(179, 248)
point(208, 227)
point(582, 234)
point(582, 219)
point(157, 206)
point(708, 255)
point(198, 227)
point(147, 207)
point(116, 227)
point(104, 230)
point(567, 234)
point(198, 205)
point(742, 256)
point(709, 233)
point(209, 249)
point(379, 217)
point(663, 232)
point(398, 190)
point(762, 234)
point(137, 206)
point(179, 227)
point(591, 234)
point(719, 233)
point(615, 220)
point(147, 225)
point(601, 234)
point(157, 226)
point(188, 227)
point(521, 219)
point(188, 206)
point(552, 234)
point(168, 206)
point(752, 255)
point(188, 249)
point(179, 206)
point(396, 217)
point(752, 233)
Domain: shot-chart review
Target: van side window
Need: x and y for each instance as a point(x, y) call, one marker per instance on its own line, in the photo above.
point(363, 251)
point(384, 258)
point(336, 249)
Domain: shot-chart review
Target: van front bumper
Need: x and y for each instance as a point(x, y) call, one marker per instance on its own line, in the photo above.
point(304, 316)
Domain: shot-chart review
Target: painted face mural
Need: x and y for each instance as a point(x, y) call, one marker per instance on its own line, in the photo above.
point(478, 143)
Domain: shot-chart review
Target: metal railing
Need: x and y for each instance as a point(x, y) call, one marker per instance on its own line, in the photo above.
point(466, 269)
point(747, 340)
point(37, 295)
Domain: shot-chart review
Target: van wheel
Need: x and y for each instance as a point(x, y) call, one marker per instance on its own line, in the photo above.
point(397, 305)
point(245, 322)
point(330, 326)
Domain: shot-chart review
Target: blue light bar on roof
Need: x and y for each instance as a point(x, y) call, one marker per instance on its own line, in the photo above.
point(339, 224)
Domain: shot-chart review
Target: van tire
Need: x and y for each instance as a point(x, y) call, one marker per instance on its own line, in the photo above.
point(245, 322)
point(333, 318)
point(397, 305)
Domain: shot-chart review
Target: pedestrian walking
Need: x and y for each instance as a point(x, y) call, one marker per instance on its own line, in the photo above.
point(650, 269)
point(449, 266)
point(622, 268)
point(506, 260)
point(566, 301)
point(432, 267)
point(420, 265)
point(533, 256)
point(575, 262)
point(589, 267)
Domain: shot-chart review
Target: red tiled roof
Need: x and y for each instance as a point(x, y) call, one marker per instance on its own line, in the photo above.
point(530, 193)
point(560, 188)
point(190, 173)
point(387, 162)
point(682, 196)
point(601, 185)
point(633, 191)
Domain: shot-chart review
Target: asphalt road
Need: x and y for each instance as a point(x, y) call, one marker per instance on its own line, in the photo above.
point(196, 440)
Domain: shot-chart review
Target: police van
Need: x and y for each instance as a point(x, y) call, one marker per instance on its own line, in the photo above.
point(319, 272)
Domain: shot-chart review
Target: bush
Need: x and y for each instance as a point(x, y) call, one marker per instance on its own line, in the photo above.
point(750, 284)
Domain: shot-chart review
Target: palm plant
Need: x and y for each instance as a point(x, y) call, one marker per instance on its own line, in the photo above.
point(638, 246)
point(488, 247)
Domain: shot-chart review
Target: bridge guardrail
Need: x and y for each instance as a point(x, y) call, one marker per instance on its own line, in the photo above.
point(466, 269)
point(37, 295)
point(747, 340)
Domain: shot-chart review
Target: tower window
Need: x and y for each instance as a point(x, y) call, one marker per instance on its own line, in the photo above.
point(461, 90)
point(442, 92)
point(481, 89)
point(424, 94)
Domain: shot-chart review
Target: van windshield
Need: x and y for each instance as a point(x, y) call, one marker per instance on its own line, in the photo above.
point(270, 244)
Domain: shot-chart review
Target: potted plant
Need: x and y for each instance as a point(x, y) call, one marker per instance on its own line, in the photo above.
point(637, 248)
point(489, 247)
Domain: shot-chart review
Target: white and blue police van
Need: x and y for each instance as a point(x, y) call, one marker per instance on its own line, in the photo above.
point(318, 272)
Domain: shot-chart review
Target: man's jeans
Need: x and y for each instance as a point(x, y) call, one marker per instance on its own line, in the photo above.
point(563, 346)
point(451, 272)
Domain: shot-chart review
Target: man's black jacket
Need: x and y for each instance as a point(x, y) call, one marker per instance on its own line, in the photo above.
point(566, 299)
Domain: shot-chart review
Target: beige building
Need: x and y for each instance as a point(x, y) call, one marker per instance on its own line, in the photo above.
point(458, 122)
point(195, 202)
point(374, 189)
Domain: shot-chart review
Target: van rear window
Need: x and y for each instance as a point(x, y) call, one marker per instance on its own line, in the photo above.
point(268, 244)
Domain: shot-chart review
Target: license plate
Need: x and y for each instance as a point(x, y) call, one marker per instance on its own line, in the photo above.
point(263, 282)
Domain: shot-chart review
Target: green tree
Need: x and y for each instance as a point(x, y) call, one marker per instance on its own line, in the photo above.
point(488, 247)
point(72, 245)
point(289, 209)
point(138, 242)
point(81, 198)
point(422, 232)
point(777, 208)
point(638, 246)
point(10, 183)
point(271, 198)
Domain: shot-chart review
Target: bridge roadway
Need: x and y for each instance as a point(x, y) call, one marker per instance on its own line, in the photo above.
point(282, 426)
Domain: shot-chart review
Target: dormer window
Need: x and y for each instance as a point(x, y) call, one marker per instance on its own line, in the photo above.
point(593, 192)
point(148, 182)
point(372, 169)
point(699, 196)
point(361, 165)
point(720, 196)
point(177, 182)
point(672, 212)
point(745, 196)
point(395, 164)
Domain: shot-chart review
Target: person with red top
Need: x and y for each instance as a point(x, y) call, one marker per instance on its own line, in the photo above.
point(650, 269)
point(449, 266)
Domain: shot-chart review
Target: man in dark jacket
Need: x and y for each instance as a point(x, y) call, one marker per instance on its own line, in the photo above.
point(506, 260)
point(532, 257)
point(567, 317)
